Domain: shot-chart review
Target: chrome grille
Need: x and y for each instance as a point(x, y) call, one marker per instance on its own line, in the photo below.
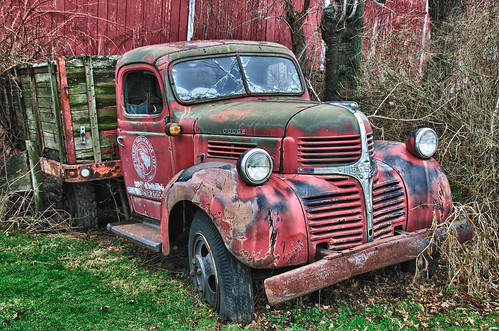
point(370, 144)
point(329, 151)
point(229, 150)
point(388, 207)
point(336, 217)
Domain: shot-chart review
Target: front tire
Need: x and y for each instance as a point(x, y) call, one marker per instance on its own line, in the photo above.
point(217, 276)
point(425, 266)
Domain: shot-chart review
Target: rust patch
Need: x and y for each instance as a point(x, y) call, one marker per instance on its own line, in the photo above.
point(339, 266)
point(75, 173)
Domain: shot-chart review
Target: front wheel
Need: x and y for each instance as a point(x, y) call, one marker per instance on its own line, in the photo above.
point(217, 276)
point(426, 266)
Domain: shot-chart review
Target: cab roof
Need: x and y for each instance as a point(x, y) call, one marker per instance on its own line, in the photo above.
point(163, 53)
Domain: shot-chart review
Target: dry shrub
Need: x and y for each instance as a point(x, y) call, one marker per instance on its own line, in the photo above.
point(458, 96)
point(17, 213)
point(26, 33)
point(474, 264)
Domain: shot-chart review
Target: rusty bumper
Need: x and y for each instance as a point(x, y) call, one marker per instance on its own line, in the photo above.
point(339, 266)
point(77, 173)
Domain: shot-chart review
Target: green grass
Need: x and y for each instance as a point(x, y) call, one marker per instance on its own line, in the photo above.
point(380, 316)
point(65, 283)
point(406, 315)
point(97, 282)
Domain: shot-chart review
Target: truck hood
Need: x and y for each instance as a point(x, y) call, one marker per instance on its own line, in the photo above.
point(272, 119)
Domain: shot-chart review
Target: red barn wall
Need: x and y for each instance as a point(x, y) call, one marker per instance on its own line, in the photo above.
point(107, 27)
point(104, 27)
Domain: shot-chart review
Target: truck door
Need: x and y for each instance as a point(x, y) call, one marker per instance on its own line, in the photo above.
point(145, 149)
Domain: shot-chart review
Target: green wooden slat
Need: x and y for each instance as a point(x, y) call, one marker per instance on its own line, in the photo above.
point(78, 88)
point(50, 141)
point(35, 115)
point(92, 110)
point(46, 114)
point(19, 106)
point(78, 100)
point(35, 172)
point(49, 127)
point(57, 113)
point(42, 78)
point(45, 102)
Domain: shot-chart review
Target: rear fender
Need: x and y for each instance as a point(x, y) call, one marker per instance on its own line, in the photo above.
point(263, 226)
point(428, 190)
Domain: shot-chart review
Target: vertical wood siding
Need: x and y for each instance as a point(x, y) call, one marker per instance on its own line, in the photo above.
point(109, 27)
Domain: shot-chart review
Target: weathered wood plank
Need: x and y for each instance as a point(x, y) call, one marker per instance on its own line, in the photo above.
point(49, 127)
point(57, 112)
point(45, 102)
point(33, 111)
point(74, 62)
point(92, 110)
point(78, 99)
point(50, 141)
point(35, 173)
point(106, 117)
point(42, 78)
point(14, 175)
point(46, 115)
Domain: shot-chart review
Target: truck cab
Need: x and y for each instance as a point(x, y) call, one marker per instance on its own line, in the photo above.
point(219, 142)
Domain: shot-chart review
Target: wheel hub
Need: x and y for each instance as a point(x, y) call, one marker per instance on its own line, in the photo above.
point(203, 271)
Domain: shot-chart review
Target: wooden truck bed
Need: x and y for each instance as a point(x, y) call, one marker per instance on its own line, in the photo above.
point(70, 112)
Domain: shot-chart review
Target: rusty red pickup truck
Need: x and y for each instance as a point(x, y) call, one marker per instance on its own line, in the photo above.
point(219, 142)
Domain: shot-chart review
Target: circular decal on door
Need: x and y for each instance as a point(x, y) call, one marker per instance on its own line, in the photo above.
point(144, 158)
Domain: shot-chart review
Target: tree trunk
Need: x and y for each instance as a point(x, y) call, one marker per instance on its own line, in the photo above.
point(440, 10)
point(342, 26)
point(440, 66)
point(296, 21)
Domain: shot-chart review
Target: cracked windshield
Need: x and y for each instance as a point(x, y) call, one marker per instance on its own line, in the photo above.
point(221, 77)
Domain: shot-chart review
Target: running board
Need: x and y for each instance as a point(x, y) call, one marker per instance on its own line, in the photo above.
point(148, 235)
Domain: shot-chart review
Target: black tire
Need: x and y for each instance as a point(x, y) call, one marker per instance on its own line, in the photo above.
point(425, 266)
point(86, 205)
point(217, 276)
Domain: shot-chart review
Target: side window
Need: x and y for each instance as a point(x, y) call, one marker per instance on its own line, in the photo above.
point(142, 93)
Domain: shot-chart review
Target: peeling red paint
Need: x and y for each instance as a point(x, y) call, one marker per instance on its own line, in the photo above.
point(258, 224)
point(428, 190)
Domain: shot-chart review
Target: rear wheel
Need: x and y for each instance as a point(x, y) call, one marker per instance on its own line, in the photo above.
point(217, 276)
point(85, 205)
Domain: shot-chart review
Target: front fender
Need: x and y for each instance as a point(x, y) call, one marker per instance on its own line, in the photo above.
point(263, 226)
point(428, 190)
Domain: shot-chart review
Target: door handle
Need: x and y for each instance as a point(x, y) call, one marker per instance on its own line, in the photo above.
point(119, 140)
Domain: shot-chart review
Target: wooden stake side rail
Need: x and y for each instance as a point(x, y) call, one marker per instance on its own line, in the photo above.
point(70, 110)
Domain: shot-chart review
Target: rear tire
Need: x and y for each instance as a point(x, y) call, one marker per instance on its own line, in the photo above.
point(217, 276)
point(86, 205)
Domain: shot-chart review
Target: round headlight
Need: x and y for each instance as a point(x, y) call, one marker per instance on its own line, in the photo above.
point(422, 143)
point(255, 166)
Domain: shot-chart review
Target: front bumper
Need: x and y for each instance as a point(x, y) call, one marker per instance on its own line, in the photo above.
point(339, 266)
